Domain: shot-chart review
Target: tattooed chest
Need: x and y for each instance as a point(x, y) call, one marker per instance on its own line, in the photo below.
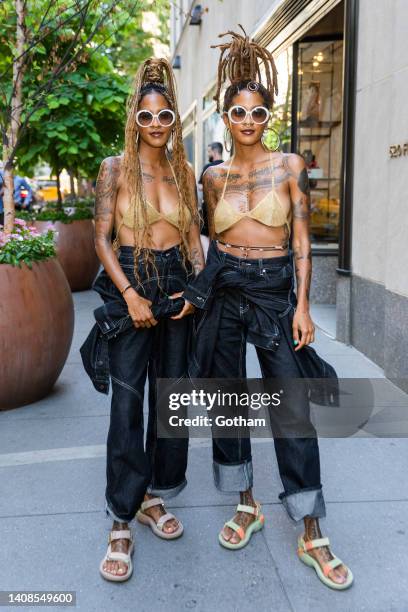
point(149, 178)
point(245, 189)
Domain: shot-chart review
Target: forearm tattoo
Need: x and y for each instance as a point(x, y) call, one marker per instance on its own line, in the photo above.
point(303, 270)
point(197, 260)
point(300, 193)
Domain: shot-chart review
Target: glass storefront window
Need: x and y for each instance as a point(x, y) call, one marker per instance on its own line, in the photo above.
point(281, 120)
point(189, 137)
point(213, 131)
point(188, 142)
point(212, 123)
point(319, 131)
point(208, 99)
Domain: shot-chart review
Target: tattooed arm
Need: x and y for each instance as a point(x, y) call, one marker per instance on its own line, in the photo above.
point(196, 249)
point(303, 328)
point(105, 202)
point(210, 179)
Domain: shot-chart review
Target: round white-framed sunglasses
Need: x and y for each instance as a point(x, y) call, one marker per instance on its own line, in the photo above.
point(166, 117)
point(239, 114)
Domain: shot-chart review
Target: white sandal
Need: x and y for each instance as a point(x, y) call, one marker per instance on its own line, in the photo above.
point(123, 534)
point(157, 528)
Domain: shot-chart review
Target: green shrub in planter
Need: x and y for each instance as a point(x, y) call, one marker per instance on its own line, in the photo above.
point(66, 214)
point(26, 244)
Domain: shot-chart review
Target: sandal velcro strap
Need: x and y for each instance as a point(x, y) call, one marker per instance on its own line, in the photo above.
point(239, 530)
point(117, 556)
point(248, 509)
point(163, 519)
point(331, 565)
point(156, 501)
point(123, 534)
point(318, 543)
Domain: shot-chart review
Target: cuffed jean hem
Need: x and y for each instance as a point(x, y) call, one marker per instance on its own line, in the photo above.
point(166, 493)
point(305, 502)
point(163, 493)
point(113, 516)
point(233, 478)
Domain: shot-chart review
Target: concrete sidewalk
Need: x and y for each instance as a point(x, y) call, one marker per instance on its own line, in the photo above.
point(54, 530)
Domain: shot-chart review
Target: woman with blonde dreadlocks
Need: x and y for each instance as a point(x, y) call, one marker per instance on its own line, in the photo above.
point(257, 201)
point(149, 198)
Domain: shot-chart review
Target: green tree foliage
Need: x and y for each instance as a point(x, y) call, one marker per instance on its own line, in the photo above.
point(75, 63)
point(82, 122)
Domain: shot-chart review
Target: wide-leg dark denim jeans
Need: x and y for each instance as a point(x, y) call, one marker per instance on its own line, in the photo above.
point(298, 457)
point(158, 352)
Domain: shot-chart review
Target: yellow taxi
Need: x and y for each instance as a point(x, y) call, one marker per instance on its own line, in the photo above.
point(46, 190)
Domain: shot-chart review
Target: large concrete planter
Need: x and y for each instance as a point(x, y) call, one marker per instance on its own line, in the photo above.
point(75, 251)
point(36, 328)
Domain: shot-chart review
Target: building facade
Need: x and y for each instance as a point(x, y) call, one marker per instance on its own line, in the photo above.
point(341, 106)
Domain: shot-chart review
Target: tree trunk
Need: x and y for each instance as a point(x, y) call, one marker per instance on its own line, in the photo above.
point(80, 183)
point(71, 183)
point(15, 115)
point(8, 193)
point(89, 188)
point(59, 189)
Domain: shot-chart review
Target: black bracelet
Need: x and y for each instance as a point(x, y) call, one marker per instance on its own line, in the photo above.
point(126, 288)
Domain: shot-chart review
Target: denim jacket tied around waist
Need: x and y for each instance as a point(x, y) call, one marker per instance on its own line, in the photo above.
point(272, 298)
point(112, 319)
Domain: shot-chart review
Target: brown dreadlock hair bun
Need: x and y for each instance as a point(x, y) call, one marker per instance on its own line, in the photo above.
point(241, 62)
point(154, 71)
point(155, 75)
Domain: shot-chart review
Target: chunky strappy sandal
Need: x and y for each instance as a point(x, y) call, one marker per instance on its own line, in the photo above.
point(123, 534)
point(323, 572)
point(244, 535)
point(157, 528)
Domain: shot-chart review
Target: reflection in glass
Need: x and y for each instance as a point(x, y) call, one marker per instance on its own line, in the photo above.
point(319, 134)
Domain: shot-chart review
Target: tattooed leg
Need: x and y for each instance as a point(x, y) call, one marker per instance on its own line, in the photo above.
point(243, 519)
point(323, 554)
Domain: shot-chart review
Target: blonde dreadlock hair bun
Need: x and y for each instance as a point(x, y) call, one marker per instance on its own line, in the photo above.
point(241, 63)
point(155, 75)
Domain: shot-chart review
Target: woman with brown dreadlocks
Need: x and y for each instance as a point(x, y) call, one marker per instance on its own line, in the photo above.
point(257, 201)
point(148, 196)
